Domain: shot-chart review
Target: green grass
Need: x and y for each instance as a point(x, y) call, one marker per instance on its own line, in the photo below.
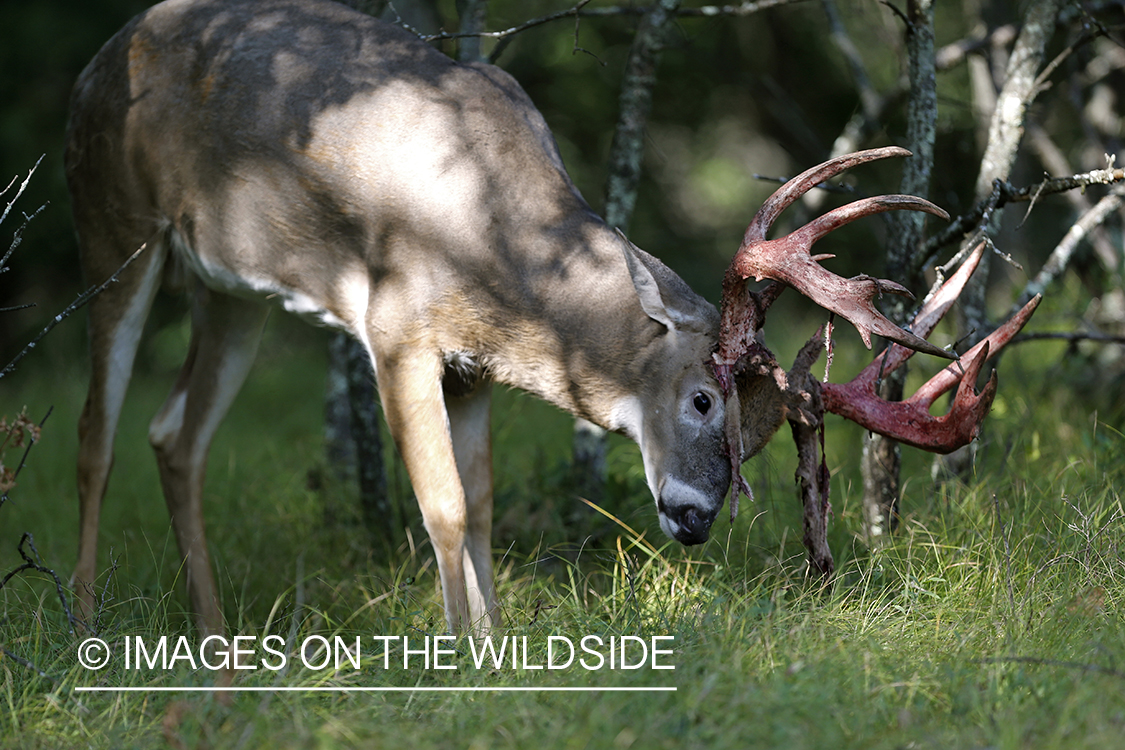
point(992, 620)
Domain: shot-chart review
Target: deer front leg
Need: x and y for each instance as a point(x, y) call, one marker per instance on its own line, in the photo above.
point(410, 387)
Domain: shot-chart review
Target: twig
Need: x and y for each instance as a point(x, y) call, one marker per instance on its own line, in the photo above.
point(1018, 92)
point(37, 565)
point(707, 11)
point(28, 665)
point(867, 119)
point(868, 96)
point(955, 53)
point(17, 236)
point(1089, 35)
point(539, 607)
point(580, 10)
point(1056, 162)
point(23, 459)
point(19, 192)
point(443, 35)
point(74, 306)
point(105, 598)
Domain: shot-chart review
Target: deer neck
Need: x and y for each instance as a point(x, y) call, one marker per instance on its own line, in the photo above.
point(563, 322)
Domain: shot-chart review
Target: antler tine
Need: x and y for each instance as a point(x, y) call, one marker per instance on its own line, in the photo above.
point(785, 195)
point(997, 340)
point(838, 217)
point(788, 259)
point(910, 421)
point(926, 319)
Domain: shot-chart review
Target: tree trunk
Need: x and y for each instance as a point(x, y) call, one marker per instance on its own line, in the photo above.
point(1005, 132)
point(625, 156)
point(881, 456)
point(353, 440)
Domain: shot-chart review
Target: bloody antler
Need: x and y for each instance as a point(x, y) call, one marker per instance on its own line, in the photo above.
point(788, 260)
point(740, 354)
point(910, 421)
point(747, 371)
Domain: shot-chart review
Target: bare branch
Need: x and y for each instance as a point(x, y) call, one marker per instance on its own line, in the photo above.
point(17, 236)
point(37, 565)
point(27, 665)
point(19, 191)
point(1056, 162)
point(14, 308)
point(867, 119)
point(1017, 94)
point(580, 10)
point(1094, 31)
point(1061, 256)
point(1006, 193)
point(707, 11)
point(1006, 129)
point(74, 307)
point(869, 98)
point(574, 11)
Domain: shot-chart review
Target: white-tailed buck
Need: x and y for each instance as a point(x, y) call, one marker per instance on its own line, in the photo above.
point(301, 152)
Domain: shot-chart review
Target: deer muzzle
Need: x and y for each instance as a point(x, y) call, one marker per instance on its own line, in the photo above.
point(686, 514)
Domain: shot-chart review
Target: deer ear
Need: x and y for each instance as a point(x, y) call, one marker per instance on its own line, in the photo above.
point(664, 296)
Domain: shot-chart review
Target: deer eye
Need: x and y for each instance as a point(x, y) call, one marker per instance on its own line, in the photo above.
point(702, 403)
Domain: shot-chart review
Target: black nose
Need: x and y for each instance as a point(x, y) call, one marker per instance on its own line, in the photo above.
point(694, 527)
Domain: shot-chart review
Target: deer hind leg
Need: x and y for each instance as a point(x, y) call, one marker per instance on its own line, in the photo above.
point(469, 422)
point(409, 381)
point(224, 341)
point(116, 320)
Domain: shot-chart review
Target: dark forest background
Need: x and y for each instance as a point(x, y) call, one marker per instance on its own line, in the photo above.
point(768, 93)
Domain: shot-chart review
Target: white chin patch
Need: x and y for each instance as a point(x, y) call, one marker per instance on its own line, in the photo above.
point(668, 526)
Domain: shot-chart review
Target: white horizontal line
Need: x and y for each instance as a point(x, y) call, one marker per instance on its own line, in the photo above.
point(289, 689)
